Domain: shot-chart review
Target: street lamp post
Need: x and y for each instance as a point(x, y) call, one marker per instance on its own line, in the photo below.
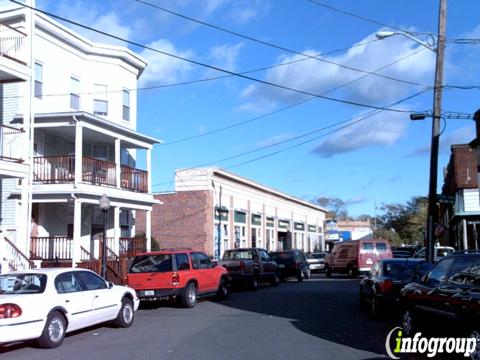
point(432, 217)
point(104, 204)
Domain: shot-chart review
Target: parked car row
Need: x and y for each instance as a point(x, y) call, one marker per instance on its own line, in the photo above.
point(45, 304)
point(447, 292)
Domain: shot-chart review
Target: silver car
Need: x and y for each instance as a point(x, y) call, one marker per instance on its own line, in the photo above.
point(316, 261)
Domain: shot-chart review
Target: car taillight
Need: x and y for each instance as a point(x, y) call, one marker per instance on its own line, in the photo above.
point(175, 279)
point(8, 311)
point(242, 265)
point(386, 286)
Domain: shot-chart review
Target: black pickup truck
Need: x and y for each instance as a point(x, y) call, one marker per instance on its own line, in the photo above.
point(250, 266)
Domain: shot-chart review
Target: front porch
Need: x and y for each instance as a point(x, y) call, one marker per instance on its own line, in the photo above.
point(61, 170)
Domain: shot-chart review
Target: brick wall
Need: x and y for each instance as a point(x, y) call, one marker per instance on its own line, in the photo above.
point(185, 219)
point(461, 171)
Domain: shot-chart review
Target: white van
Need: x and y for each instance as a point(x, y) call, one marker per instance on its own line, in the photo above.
point(440, 252)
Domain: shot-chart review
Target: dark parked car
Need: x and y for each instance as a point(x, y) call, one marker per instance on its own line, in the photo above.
point(316, 261)
point(449, 290)
point(292, 263)
point(381, 287)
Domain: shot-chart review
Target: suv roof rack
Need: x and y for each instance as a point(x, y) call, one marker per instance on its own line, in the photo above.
point(466, 252)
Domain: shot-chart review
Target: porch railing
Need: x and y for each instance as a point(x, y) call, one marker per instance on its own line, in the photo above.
point(12, 44)
point(54, 169)
point(98, 171)
point(51, 248)
point(134, 179)
point(17, 260)
point(61, 169)
point(131, 246)
point(12, 143)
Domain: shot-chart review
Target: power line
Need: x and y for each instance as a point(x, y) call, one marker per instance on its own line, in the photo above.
point(189, 82)
point(270, 44)
point(286, 107)
point(373, 21)
point(264, 82)
point(358, 119)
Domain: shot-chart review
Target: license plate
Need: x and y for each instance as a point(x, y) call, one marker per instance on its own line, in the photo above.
point(369, 262)
point(281, 265)
point(149, 292)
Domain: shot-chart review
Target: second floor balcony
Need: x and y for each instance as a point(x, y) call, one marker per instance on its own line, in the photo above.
point(12, 44)
point(61, 170)
point(13, 142)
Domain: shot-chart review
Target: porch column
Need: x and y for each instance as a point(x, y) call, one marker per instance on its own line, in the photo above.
point(78, 152)
point(118, 183)
point(149, 170)
point(464, 233)
point(77, 232)
point(148, 229)
point(116, 232)
point(24, 227)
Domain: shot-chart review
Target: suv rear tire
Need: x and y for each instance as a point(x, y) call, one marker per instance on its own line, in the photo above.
point(253, 284)
point(409, 320)
point(189, 296)
point(275, 280)
point(222, 291)
point(328, 272)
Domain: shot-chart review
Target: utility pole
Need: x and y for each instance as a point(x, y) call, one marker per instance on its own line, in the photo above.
point(219, 236)
point(432, 218)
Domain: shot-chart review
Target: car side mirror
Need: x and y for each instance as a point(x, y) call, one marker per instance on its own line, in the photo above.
point(110, 284)
point(214, 263)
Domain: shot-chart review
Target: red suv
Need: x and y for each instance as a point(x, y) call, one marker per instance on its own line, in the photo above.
point(179, 274)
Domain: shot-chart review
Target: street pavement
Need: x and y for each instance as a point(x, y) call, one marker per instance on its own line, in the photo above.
point(317, 319)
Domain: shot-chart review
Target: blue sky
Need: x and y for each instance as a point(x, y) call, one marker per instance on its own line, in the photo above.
point(381, 159)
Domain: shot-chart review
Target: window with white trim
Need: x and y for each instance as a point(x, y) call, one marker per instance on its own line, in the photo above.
point(74, 93)
point(126, 105)
point(100, 102)
point(38, 87)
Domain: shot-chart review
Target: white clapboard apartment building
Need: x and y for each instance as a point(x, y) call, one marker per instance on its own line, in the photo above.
point(68, 137)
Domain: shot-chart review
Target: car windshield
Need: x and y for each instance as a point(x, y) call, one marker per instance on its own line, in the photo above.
point(22, 283)
point(151, 263)
point(316, 256)
point(399, 271)
point(238, 255)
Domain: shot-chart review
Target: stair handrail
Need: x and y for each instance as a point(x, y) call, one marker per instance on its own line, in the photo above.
point(19, 252)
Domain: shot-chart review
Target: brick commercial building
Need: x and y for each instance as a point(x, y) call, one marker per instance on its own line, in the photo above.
point(458, 204)
point(211, 202)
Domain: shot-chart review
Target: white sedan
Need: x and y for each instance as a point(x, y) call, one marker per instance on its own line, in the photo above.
point(45, 304)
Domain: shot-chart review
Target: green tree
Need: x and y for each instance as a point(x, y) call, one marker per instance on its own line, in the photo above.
point(337, 208)
point(406, 220)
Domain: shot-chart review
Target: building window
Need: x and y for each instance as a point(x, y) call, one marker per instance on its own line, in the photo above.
point(38, 90)
point(100, 102)
point(126, 105)
point(74, 93)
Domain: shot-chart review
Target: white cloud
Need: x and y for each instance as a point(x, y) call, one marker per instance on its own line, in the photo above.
point(382, 129)
point(162, 68)
point(319, 77)
point(462, 135)
point(225, 56)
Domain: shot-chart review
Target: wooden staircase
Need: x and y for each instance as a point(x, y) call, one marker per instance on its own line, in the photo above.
point(15, 258)
point(116, 266)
